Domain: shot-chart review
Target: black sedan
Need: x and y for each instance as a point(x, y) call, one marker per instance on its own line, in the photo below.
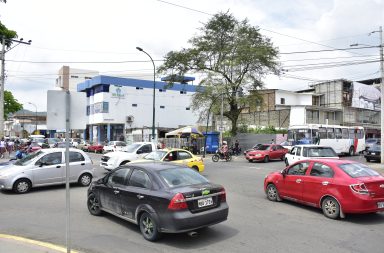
point(373, 153)
point(159, 197)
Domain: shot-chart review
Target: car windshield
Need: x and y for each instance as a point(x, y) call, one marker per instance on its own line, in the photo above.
point(53, 140)
point(28, 158)
point(321, 152)
point(131, 148)
point(358, 170)
point(264, 147)
point(39, 140)
point(176, 177)
point(155, 155)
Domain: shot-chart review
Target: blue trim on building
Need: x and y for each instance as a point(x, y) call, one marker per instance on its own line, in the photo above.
point(130, 82)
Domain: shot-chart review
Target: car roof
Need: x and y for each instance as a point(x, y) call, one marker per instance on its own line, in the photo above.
point(329, 160)
point(312, 145)
point(155, 165)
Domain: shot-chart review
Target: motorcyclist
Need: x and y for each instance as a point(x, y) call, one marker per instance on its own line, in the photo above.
point(224, 149)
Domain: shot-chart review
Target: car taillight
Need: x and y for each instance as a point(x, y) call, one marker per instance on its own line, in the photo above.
point(359, 188)
point(178, 202)
point(223, 195)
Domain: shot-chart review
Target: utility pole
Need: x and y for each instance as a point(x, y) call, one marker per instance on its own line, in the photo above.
point(221, 119)
point(2, 78)
point(382, 95)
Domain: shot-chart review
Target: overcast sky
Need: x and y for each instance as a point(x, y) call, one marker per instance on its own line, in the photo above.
point(84, 33)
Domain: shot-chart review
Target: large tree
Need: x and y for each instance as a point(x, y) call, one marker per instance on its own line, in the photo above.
point(11, 104)
point(233, 57)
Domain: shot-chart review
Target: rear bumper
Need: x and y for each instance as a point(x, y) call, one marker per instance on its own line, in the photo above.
point(184, 221)
point(363, 206)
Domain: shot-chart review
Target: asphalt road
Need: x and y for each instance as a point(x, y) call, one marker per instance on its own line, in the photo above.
point(254, 223)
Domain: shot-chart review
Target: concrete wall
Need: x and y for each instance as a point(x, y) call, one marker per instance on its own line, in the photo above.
point(276, 118)
point(248, 140)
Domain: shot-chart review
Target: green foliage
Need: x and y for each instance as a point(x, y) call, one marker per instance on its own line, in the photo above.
point(9, 34)
point(232, 56)
point(11, 104)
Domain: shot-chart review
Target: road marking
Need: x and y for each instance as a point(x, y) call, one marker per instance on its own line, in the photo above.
point(38, 243)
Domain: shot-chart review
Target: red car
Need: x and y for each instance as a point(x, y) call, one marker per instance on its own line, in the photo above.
point(266, 152)
point(97, 148)
point(337, 187)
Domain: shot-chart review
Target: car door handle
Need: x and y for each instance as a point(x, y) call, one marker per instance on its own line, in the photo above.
point(325, 183)
point(298, 181)
point(116, 191)
point(139, 196)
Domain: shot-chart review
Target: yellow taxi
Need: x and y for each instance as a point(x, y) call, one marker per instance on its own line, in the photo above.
point(175, 155)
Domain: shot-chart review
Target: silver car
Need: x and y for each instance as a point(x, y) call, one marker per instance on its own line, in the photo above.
point(46, 167)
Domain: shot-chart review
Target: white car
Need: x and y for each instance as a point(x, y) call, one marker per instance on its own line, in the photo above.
point(132, 152)
point(304, 152)
point(46, 167)
point(115, 146)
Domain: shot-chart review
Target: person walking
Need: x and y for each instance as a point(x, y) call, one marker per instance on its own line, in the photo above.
point(237, 147)
point(2, 147)
point(10, 146)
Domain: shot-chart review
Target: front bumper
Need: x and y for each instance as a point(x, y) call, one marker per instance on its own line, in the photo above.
point(5, 184)
point(184, 221)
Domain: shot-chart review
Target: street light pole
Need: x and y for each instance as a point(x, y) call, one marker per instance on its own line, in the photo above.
point(154, 94)
point(35, 116)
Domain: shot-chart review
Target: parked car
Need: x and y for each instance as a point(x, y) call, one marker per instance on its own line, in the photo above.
point(267, 152)
point(46, 167)
point(75, 142)
point(34, 146)
point(52, 141)
point(373, 153)
point(61, 145)
point(370, 142)
point(159, 197)
point(287, 145)
point(303, 152)
point(133, 152)
point(114, 146)
point(175, 155)
point(83, 145)
point(338, 187)
point(96, 148)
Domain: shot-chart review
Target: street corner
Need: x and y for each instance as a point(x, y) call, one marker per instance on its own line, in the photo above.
point(17, 244)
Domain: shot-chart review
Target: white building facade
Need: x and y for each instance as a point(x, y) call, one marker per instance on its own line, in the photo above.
point(119, 108)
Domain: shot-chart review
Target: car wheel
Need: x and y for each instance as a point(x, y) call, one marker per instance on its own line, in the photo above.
point(286, 161)
point(272, 192)
point(282, 158)
point(93, 204)
point(22, 186)
point(331, 208)
point(351, 151)
point(250, 160)
point(148, 227)
point(368, 160)
point(85, 179)
point(195, 168)
point(266, 159)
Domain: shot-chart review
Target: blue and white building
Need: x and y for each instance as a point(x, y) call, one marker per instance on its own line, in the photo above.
point(121, 108)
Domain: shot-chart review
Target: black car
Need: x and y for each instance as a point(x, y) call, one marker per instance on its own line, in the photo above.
point(159, 197)
point(373, 153)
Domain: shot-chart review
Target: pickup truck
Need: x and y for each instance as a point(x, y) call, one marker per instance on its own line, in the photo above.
point(135, 151)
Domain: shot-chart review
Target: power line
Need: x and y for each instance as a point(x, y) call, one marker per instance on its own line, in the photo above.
point(73, 62)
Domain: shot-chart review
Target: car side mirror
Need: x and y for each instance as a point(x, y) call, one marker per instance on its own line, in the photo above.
point(284, 172)
point(41, 164)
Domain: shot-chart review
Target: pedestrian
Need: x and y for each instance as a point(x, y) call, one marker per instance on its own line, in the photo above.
point(10, 146)
point(237, 147)
point(2, 147)
point(273, 141)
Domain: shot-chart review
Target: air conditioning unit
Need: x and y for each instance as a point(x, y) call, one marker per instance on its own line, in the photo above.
point(130, 119)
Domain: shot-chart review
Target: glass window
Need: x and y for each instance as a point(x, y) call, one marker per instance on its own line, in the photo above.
point(75, 157)
point(352, 133)
point(162, 106)
point(118, 177)
point(298, 151)
point(140, 179)
point(321, 170)
point(331, 133)
point(345, 133)
point(305, 152)
point(146, 148)
point(184, 155)
point(181, 177)
point(51, 159)
point(298, 169)
point(321, 152)
point(358, 170)
point(338, 133)
point(322, 133)
point(282, 101)
point(293, 151)
point(155, 155)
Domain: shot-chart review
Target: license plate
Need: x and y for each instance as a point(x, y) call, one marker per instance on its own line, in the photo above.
point(380, 204)
point(204, 202)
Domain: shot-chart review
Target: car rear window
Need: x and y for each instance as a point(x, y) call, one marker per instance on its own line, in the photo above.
point(176, 177)
point(358, 170)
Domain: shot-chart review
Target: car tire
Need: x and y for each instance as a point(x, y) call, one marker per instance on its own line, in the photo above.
point(286, 161)
point(330, 207)
point(85, 179)
point(266, 159)
point(195, 168)
point(282, 158)
point(22, 185)
point(351, 151)
point(250, 160)
point(272, 192)
point(148, 227)
point(368, 160)
point(93, 205)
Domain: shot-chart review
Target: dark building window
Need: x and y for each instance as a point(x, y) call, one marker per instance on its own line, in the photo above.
point(282, 101)
point(187, 108)
point(134, 105)
point(162, 106)
point(139, 88)
point(162, 90)
point(183, 92)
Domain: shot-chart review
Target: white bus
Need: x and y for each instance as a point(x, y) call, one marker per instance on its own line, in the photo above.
point(343, 139)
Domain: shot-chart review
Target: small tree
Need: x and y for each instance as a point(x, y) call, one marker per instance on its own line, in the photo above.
point(11, 104)
point(233, 56)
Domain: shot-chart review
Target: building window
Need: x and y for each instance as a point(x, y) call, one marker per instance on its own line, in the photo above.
point(102, 107)
point(139, 88)
point(134, 105)
point(162, 106)
point(87, 78)
point(74, 76)
point(187, 108)
point(88, 110)
point(105, 107)
point(183, 92)
point(282, 101)
point(101, 88)
point(162, 90)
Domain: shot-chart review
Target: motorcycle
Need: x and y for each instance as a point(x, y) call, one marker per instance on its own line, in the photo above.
point(220, 156)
